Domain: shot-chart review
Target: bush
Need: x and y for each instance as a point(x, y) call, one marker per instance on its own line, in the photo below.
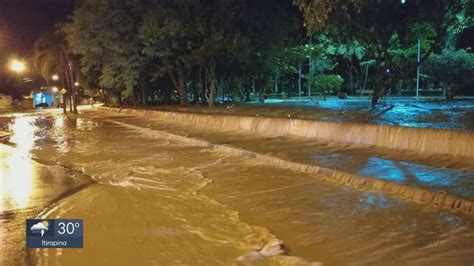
point(327, 84)
point(453, 68)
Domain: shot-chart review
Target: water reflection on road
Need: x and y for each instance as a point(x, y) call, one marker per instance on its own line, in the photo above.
point(26, 185)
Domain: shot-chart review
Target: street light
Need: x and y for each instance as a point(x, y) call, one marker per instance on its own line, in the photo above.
point(76, 83)
point(55, 89)
point(17, 66)
point(55, 77)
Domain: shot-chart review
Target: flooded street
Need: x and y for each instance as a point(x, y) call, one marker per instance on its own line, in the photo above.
point(147, 200)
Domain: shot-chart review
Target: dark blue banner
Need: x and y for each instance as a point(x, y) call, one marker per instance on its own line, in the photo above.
point(54, 233)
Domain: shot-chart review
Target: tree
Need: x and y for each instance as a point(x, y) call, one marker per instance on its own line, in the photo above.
point(200, 44)
point(52, 56)
point(104, 33)
point(202, 33)
point(268, 36)
point(327, 84)
point(165, 33)
point(380, 26)
point(453, 68)
point(207, 37)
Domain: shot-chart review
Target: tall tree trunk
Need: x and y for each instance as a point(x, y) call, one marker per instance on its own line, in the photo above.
point(276, 83)
point(64, 102)
point(167, 95)
point(118, 95)
point(183, 96)
point(449, 92)
point(105, 93)
point(73, 86)
point(70, 75)
point(178, 76)
point(74, 97)
point(211, 82)
point(144, 96)
point(247, 92)
point(63, 95)
point(379, 85)
point(196, 93)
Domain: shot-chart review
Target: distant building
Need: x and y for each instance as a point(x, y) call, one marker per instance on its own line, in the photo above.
point(6, 101)
point(46, 97)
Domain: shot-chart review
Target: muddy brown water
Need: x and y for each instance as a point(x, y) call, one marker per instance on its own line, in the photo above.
point(161, 202)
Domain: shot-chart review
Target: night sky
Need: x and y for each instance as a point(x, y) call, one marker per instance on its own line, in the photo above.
point(21, 23)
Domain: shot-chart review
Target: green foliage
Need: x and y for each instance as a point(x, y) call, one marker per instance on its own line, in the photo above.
point(317, 13)
point(131, 45)
point(104, 34)
point(382, 26)
point(327, 84)
point(51, 55)
point(185, 40)
point(453, 68)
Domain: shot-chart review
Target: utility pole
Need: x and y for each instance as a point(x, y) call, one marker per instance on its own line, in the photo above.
point(310, 65)
point(299, 83)
point(418, 69)
point(276, 83)
point(253, 86)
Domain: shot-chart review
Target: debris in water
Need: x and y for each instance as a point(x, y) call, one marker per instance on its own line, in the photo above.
point(272, 248)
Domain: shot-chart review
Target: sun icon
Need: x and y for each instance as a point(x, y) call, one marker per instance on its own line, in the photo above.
point(45, 223)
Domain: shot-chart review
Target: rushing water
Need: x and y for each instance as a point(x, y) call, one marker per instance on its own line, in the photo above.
point(432, 172)
point(156, 201)
point(419, 140)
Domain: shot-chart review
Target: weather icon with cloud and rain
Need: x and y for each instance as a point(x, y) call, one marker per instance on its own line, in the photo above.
point(40, 227)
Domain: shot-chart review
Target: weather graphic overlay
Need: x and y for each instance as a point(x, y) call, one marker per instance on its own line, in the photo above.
point(54, 233)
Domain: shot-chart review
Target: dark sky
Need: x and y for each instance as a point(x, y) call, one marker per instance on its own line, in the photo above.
point(22, 21)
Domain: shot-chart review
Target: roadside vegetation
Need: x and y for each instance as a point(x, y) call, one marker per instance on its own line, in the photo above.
point(202, 52)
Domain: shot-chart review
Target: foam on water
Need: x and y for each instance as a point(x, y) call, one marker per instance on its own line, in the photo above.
point(149, 207)
point(422, 140)
point(155, 181)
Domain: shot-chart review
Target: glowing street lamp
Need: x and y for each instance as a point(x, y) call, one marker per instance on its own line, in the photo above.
point(17, 66)
point(55, 77)
point(55, 89)
point(76, 83)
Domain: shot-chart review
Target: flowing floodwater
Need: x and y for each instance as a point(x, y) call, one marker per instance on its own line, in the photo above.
point(156, 201)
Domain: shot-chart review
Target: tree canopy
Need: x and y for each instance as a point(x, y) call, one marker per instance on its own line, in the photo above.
point(177, 50)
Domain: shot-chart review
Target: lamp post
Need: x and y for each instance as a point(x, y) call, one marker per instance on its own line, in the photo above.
point(418, 69)
point(17, 66)
point(418, 59)
point(310, 65)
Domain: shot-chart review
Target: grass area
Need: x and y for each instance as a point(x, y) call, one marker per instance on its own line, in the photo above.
point(433, 117)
